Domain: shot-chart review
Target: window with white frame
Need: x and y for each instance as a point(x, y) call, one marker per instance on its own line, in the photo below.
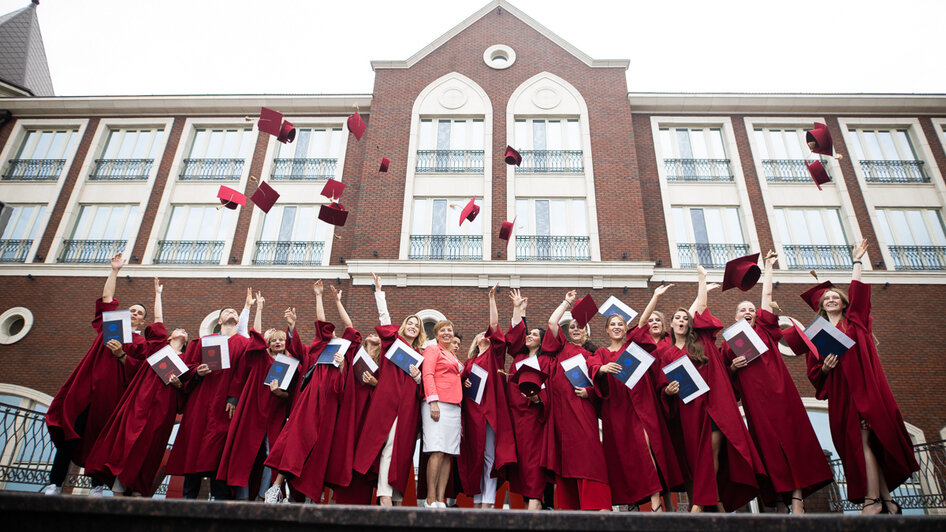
point(551, 229)
point(27, 446)
point(217, 154)
point(196, 234)
point(19, 227)
point(291, 235)
point(694, 154)
point(312, 156)
point(813, 239)
point(41, 155)
point(549, 146)
point(887, 156)
point(783, 153)
point(436, 232)
point(100, 231)
point(710, 236)
point(128, 154)
point(450, 146)
point(915, 238)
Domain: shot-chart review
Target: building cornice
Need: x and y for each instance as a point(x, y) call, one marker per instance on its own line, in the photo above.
point(788, 104)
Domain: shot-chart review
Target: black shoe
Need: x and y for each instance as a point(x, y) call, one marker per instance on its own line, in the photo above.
point(883, 507)
point(893, 502)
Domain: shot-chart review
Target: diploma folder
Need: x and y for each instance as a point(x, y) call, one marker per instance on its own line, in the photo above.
point(116, 325)
point(166, 362)
point(744, 341)
point(828, 338)
point(363, 364)
point(576, 371)
point(634, 362)
point(404, 356)
point(335, 345)
point(691, 382)
point(215, 351)
point(615, 306)
point(282, 371)
point(477, 378)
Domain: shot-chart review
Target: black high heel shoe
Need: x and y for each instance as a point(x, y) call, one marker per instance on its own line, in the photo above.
point(893, 502)
point(883, 507)
point(796, 499)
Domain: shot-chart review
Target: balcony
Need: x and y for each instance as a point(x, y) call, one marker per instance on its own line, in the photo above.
point(90, 251)
point(303, 169)
point(211, 169)
point(818, 257)
point(34, 169)
point(894, 172)
point(189, 252)
point(538, 247)
point(446, 247)
point(918, 257)
point(551, 162)
point(14, 250)
point(121, 169)
point(786, 171)
point(709, 255)
point(706, 170)
point(449, 161)
point(288, 253)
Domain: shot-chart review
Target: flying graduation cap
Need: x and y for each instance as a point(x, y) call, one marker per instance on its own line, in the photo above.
point(470, 211)
point(385, 162)
point(743, 272)
point(818, 173)
point(819, 140)
point(230, 198)
point(356, 125)
point(264, 197)
point(271, 122)
point(512, 156)
point(334, 213)
point(584, 310)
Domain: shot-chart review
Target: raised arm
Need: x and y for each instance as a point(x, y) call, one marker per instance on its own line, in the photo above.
point(243, 323)
point(560, 311)
point(859, 250)
point(258, 316)
point(699, 305)
point(158, 306)
point(346, 319)
point(770, 259)
point(319, 307)
point(652, 305)
point(519, 304)
point(108, 292)
point(383, 317)
point(493, 311)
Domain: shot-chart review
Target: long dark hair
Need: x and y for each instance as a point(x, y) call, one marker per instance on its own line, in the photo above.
point(525, 350)
point(693, 346)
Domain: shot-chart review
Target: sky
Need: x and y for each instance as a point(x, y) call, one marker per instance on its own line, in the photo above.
point(144, 47)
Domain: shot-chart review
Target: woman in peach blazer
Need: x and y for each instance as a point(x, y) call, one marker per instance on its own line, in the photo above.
point(440, 412)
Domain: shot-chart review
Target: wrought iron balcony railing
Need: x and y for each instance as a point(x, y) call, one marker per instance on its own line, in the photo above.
point(918, 257)
point(90, 251)
point(289, 253)
point(446, 247)
point(34, 169)
point(709, 255)
point(551, 162)
point(539, 247)
point(818, 257)
point(894, 172)
point(189, 252)
point(698, 170)
point(211, 169)
point(121, 169)
point(14, 250)
point(449, 161)
point(785, 170)
point(303, 169)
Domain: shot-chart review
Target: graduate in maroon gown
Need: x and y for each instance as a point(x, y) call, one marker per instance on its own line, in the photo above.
point(778, 422)
point(82, 406)
point(573, 450)
point(725, 463)
point(637, 444)
point(866, 424)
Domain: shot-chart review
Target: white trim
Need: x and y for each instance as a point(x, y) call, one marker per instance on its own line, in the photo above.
point(939, 126)
point(207, 105)
point(6, 319)
point(496, 50)
point(208, 323)
point(430, 314)
point(790, 104)
point(877, 278)
point(26, 393)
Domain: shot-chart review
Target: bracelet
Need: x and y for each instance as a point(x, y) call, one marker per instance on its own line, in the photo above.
point(567, 304)
point(858, 262)
point(123, 356)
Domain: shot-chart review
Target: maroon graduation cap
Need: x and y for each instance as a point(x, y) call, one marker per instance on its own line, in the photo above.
point(512, 156)
point(819, 140)
point(798, 341)
point(505, 231)
point(356, 125)
point(333, 189)
point(470, 211)
point(818, 173)
point(385, 162)
point(271, 122)
point(287, 133)
point(743, 272)
point(264, 197)
point(334, 213)
point(230, 198)
point(584, 310)
point(529, 379)
point(812, 296)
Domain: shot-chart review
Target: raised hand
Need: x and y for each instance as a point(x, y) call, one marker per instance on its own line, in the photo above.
point(318, 288)
point(116, 262)
point(290, 315)
point(712, 286)
point(771, 258)
point(260, 299)
point(158, 287)
point(492, 290)
point(571, 296)
point(377, 282)
point(336, 292)
point(659, 291)
point(249, 298)
point(516, 297)
point(701, 271)
point(860, 249)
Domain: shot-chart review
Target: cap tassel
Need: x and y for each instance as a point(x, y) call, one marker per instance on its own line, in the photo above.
point(813, 274)
point(775, 308)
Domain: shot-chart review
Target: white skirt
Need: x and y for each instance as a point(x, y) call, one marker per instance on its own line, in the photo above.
point(441, 436)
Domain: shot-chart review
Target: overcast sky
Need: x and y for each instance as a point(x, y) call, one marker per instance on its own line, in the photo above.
point(110, 47)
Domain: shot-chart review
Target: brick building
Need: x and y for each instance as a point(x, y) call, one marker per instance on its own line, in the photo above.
point(617, 192)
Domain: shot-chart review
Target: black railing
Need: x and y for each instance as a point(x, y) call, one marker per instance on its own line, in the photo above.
point(14, 250)
point(121, 169)
point(90, 251)
point(894, 172)
point(785, 170)
point(34, 169)
point(446, 247)
point(709, 255)
point(698, 170)
point(211, 169)
point(918, 257)
point(538, 247)
point(289, 253)
point(817, 257)
point(551, 162)
point(449, 161)
point(189, 252)
point(303, 169)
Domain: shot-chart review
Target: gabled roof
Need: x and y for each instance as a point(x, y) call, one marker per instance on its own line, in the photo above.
point(512, 10)
point(22, 55)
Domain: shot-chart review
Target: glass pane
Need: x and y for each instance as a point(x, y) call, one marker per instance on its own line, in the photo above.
point(699, 143)
point(554, 135)
point(126, 149)
point(458, 140)
point(715, 232)
point(246, 143)
point(887, 145)
point(305, 224)
point(679, 225)
point(778, 144)
point(559, 221)
point(175, 222)
point(873, 151)
point(157, 144)
point(572, 135)
point(683, 144)
point(426, 140)
point(699, 226)
point(935, 222)
point(215, 145)
point(199, 145)
point(477, 135)
point(523, 138)
point(884, 227)
point(130, 224)
point(816, 228)
point(231, 144)
point(906, 147)
point(419, 224)
point(793, 146)
point(99, 221)
point(337, 144)
point(286, 224)
point(306, 146)
point(856, 137)
point(579, 219)
point(42, 145)
point(918, 226)
point(716, 143)
point(900, 227)
point(14, 227)
point(443, 134)
point(112, 143)
point(523, 219)
point(784, 233)
point(539, 141)
point(208, 223)
point(733, 227)
point(37, 222)
point(438, 218)
point(542, 226)
point(271, 224)
point(666, 144)
point(834, 228)
point(761, 146)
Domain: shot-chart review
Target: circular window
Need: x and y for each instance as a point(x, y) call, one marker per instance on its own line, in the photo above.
point(15, 323)
point(499, 56)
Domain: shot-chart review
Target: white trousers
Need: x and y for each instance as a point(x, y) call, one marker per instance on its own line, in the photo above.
point(385, 489)
point(488, 484)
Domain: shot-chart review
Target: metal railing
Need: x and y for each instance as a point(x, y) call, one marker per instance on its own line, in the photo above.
point(818, 257)
point(785, 171)
point(121, 169)
point(34, 169)
point(709, 255)
point(14, 250)
point(303, 169)
point(698, 170)
point(551, 162)
point(289, 253)
point(211, 169)
point(918, 257)
point(90, 251)
point(189, 252)
point(879, 171)
point(446, 247)
point(449, 161)
point(538, 247)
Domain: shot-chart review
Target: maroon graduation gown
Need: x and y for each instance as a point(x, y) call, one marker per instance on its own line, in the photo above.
point(527, 478)
point(857, 389)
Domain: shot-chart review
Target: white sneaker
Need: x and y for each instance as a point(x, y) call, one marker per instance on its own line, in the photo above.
point(440, 504)
point(52, 489)
point(97, 491)
point(273, 495)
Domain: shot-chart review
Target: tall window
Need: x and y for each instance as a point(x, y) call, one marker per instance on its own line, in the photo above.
point(550, 146)
point(291, 235)
point(915, 238)
point(436, 232)
point(100, 232)
point(196, 234)
point(783, 153)
point(313, 155)
point(813, 239)
point(450, 145)
point(41, 155)
point(217, 154)
point(887, 156)
point(551, 229)
point(19, 227)
point(694, 154)
point(26, 442)
point(710, 236)
point(128, 154)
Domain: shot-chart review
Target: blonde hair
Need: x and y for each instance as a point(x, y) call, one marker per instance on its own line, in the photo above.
point(584, 333)
point(472, 351)
point(421, 334)
point(845, 300)
point(663, 322)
